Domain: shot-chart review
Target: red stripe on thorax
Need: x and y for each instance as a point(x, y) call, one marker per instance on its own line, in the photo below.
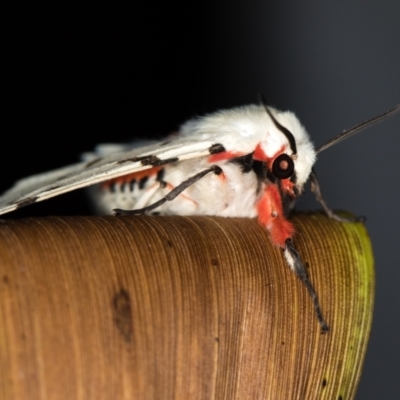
point(270, 215)
point(259, 155)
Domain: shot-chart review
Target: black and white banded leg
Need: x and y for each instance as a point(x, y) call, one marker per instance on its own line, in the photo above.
point(293, 259)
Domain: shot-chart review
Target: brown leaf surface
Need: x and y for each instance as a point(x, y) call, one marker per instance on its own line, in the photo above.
point(180, 308)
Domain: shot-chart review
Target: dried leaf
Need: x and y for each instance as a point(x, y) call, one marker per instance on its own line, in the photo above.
point(180, 308)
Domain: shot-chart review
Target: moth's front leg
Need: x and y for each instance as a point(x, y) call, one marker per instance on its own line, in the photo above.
point(271, 215)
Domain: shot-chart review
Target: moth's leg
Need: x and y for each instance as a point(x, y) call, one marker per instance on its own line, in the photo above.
point(271, 215)
point(316, 189)
point(172, 194)
point(293, 259)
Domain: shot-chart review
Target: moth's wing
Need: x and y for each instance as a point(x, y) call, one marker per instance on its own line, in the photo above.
point(96, 169)
point(106, 149)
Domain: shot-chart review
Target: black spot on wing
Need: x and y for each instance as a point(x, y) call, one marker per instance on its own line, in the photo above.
point(216, 148)
point(122, 311)
point(149, 160)
point(24, 202)
point(156, 162)
point(132, 159)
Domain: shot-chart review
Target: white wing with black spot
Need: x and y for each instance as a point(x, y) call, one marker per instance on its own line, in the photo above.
point(238, 131)
point(99, 169)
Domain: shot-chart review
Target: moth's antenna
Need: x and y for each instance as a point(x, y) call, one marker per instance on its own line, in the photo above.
point(357, 128)
point(285, 131)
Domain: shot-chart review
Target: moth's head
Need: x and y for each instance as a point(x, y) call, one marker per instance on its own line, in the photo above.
point(263, 131)
point(292, 155)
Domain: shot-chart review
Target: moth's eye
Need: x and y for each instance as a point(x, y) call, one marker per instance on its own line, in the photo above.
point(283, 166)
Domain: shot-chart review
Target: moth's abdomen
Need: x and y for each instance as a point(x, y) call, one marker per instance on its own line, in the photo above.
point(128, 191)
point(134, 182)
point(232, 193)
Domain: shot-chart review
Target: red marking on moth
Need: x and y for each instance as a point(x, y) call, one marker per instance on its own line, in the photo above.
point(270, 214)
point(133, 176)
point(259, 155)
point(224, 155)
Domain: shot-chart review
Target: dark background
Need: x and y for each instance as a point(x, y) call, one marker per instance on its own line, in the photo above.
point(74, 77)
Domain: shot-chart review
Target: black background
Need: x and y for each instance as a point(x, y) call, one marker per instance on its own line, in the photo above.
point(76, 76)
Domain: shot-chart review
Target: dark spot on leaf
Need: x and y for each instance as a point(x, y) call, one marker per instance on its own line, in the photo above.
point(122, 311)
point(324, 382)
point(214, 262)
point(6, 279)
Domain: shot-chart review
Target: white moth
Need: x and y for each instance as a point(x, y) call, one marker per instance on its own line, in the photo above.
point(250, 161)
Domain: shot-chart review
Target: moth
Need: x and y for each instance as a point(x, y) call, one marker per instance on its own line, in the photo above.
point(250, 161)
